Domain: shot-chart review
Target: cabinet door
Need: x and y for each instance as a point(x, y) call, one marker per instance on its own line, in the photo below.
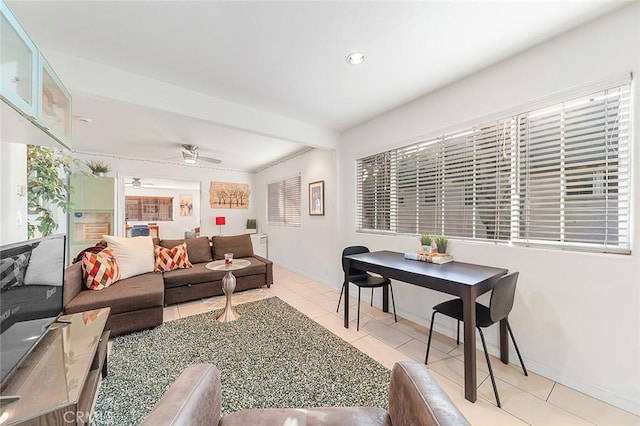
point(55, 105)
point(92, 193)
point(99, 192)
point(18, 64)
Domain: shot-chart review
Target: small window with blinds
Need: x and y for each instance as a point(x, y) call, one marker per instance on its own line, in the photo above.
point(284, 201)
point(556, 176)
point(142, 208)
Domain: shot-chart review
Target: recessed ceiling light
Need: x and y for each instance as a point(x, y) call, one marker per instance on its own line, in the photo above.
point(355, 58)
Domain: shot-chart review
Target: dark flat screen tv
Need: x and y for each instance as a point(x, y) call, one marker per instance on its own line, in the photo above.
point(31, 278)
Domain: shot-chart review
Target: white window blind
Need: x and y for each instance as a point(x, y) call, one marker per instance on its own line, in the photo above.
point(573, 174)
point(373, 188)
point(557, 175)
point(283, 202)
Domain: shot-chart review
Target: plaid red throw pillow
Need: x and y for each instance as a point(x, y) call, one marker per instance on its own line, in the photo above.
point(168, 259)
point(100, 269)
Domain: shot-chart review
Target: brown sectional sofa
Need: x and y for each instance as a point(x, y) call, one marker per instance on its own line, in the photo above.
point(415, 398)
point(137, 302)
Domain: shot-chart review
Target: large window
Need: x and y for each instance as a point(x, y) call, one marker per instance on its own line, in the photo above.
point(557, 175)
point(140, 208)
point(283, 202)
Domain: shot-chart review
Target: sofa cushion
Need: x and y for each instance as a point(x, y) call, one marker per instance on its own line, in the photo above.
point(12, 270)
point(239, 245)
point(45, 258)
point(168, 259)
point(351, 416)
point(100, 269)
point(131, 294)
point(196, 275)
point(201, 274)
point(198, 249)
point(134, 255)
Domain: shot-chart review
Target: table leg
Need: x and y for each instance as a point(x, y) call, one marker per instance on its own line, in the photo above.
point(385, 298)
point(346, 264)
point(228, 287)
point(469, 315)
point(504, 342)
point(346, 303)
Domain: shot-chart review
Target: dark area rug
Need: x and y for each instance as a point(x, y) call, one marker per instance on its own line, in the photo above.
point(272, 356)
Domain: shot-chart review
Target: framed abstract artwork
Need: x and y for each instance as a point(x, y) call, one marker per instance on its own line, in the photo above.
point(316, 198)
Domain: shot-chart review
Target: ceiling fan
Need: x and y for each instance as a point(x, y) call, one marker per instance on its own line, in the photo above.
point(137, 183)
point(190, 155)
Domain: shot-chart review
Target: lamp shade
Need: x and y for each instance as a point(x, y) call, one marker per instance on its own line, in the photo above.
point(220, 220)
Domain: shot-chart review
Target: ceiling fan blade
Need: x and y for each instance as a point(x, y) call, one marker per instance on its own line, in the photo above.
point(210, 160)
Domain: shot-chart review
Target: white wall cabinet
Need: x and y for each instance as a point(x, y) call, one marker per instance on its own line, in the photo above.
point(19, 59)
point(54, 111)
point(29, 85)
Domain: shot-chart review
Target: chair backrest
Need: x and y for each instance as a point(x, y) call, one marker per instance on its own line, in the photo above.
point(140, 231)
point(354, 250)
point(502, 297)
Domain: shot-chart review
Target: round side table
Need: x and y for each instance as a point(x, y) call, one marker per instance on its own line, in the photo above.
point(228, 284)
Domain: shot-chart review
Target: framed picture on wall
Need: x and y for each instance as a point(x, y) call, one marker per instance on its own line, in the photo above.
point(316, 198)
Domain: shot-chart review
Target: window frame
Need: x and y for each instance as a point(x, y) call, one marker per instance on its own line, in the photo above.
point(512, 233)
point(149, 208)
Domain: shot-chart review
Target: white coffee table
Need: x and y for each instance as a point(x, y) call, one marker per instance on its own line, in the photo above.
point(228, 284)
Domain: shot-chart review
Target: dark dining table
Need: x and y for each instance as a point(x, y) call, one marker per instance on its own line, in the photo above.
point(465, 280)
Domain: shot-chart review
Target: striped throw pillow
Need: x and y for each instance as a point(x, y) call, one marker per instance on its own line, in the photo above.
point(168, 259)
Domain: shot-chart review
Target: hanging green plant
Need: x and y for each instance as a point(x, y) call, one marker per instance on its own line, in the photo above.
point(47, 188)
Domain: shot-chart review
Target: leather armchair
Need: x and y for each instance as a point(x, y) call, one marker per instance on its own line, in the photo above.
point(414, 399)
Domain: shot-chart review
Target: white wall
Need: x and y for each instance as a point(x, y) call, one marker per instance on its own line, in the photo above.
point(310, 248)
point(577, 315)
point(236, 219)
point(13, 178)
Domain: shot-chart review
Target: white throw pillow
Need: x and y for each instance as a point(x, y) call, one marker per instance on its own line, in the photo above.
point(46, 263)
point(134, 255)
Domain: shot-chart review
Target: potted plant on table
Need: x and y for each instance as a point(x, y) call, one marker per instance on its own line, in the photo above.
point(441, 243)
point(426, 240)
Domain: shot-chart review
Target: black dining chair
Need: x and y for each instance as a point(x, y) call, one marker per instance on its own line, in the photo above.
point(364, 279)
point(500, 305)
point(140, 231)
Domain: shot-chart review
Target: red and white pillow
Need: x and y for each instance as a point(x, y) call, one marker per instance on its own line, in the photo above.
point(100, 269)
point(168, 259)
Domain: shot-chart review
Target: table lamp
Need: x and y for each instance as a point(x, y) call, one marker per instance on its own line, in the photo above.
point(220, 220)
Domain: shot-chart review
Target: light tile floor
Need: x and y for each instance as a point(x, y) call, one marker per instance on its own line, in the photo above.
point(533, 400)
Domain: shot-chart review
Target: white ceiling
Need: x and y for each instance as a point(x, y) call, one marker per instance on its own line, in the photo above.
point(284, 58)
